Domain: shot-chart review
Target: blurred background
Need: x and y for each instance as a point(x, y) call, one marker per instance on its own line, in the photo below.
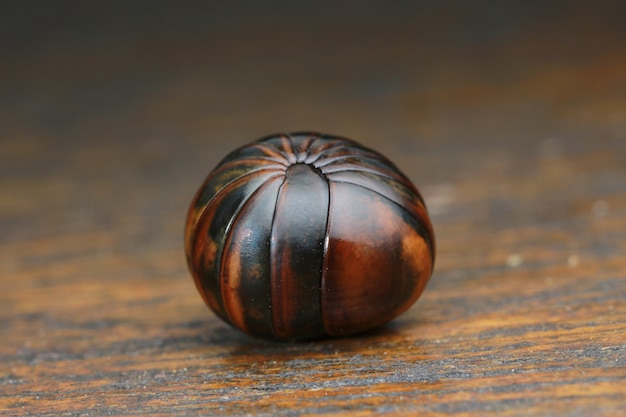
point(510, 117)
point(154, 93)
point(112, 113)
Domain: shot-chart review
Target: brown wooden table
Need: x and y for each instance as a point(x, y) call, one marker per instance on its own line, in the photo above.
point(510, 118)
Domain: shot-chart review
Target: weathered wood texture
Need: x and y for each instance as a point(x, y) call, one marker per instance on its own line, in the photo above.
point(510, 118)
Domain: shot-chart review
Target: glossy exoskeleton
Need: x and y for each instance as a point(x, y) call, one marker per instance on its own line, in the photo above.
point(303, 235)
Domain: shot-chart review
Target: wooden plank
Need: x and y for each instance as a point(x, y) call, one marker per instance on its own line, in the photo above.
point(509, 118)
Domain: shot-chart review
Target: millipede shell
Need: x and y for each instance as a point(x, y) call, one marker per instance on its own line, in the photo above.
point(303, 235)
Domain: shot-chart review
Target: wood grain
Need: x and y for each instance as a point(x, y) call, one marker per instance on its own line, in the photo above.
point(509, 118)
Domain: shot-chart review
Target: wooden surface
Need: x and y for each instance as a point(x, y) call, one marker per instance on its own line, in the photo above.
point(510, 118)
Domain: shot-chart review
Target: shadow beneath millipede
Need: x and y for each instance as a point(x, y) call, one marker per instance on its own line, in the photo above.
point(234, 346)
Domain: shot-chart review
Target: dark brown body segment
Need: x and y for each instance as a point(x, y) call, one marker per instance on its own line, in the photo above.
point(375, 252)
point(207, 237)
point(245, 284)
point(305, 235)
point(298, 253)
